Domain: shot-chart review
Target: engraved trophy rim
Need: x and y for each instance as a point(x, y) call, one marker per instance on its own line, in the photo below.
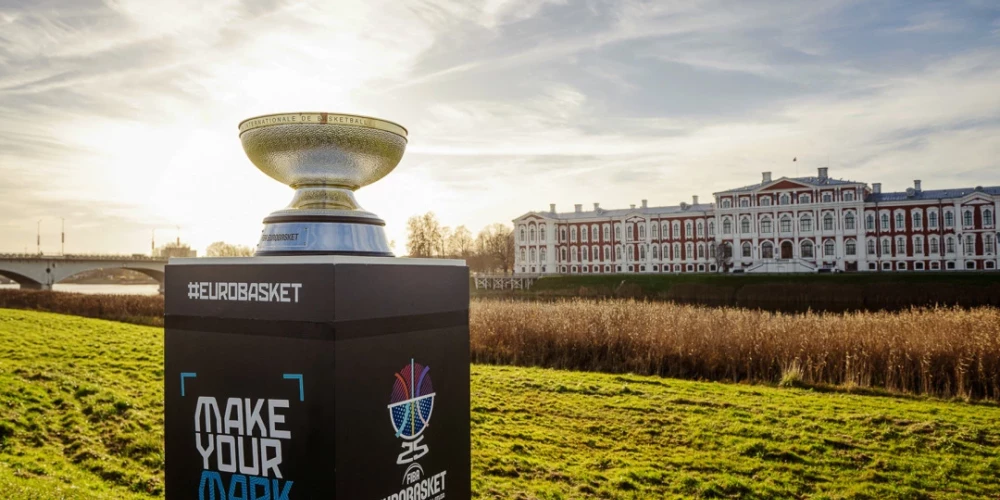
point(322, 118)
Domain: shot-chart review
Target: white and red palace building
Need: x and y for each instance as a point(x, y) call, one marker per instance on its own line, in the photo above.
point(800, 224)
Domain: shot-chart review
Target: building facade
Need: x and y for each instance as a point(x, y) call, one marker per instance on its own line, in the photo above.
point(801, 224)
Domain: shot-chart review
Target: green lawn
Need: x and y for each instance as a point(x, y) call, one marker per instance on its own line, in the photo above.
point(81, 417)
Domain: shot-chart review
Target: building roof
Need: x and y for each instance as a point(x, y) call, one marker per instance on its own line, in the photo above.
point(813, 180)
point(931, 194)
point(591, 214)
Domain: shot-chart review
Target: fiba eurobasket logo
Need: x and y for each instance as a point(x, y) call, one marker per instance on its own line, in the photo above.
point(410, 408)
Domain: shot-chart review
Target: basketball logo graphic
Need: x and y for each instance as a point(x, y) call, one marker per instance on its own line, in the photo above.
point(412, 401)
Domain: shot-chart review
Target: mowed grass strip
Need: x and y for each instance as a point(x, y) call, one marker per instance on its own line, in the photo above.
point(81, 417)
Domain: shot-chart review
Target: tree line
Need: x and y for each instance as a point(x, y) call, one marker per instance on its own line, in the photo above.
point(491, 251)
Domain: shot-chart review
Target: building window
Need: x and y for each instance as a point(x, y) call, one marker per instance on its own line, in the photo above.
point(827, 197)
point(701, 251)
point(521, 235)
point(828, 222)
point(746, 249)
point(711, 251)
point(665, 230)
point(656, 251)
point(805, 224)
point(786, 224)
point(676, 226)
point(932, 220)
point(785, 199)
point(934, 245)
point(595, 233)
point(970, 245)
point(541, 256)
point(885, 222)
point(677, 251)
point(583, 233)
point(765, 226)
point(849, 221)
point(967, 218)
point(987, 218)
point(900, 222)
point(572, 234)
point(744, 202)
point(745, 225)
point(726, 203)
point(870, 222)
point(988, 243)
point(653, 230)
point(949, 244)
point(828, 249)
point(701, 229)
point(765, 201)
point(886, 248)
point(900, 246)
point(767, 250)
point(687, 229)
point(918, 220)
point(531, 234)
point(805, 198)
point(562, 254)
point(807, 250)
point(618, 232)
point(607, 233)
point(918, 245)
point(618, 253)
point(848, 195)
point(607, 254)
point(631, 232)
point(575, 253)
point(642, 231)
point(522, 259)
point(949, 219)
point(727, 226)
point(689, 251)
point(711, 228)
point(534, 255)
point(562, 235)
point(871, 247)
point(642, 252)
point(851, 248)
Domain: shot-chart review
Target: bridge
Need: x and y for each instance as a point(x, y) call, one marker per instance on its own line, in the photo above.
point(40, 272)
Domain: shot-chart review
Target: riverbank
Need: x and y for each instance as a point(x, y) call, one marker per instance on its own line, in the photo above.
point(83, 419)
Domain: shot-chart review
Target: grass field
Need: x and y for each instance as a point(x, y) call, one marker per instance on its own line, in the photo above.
point(81, 417)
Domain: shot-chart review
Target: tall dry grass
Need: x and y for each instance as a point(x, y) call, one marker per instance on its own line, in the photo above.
point(941, 351)
point(138, 309)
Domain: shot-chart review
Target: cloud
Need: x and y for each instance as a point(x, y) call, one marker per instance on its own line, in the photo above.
point(123, 113)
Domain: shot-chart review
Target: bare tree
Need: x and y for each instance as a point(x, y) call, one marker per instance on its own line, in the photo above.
point(496, 244)
point(722, 256)
point(424, 236)
point(460, 243)
point(223, 249)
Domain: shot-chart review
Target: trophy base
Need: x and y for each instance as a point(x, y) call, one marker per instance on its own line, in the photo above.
point(313, 232)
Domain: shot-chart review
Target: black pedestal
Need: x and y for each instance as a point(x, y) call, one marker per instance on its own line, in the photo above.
point(317, 378)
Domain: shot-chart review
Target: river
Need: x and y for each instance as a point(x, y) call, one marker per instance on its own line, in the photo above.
point(101, 289)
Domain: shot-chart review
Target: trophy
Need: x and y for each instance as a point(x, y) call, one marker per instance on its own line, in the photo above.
point(325, 157)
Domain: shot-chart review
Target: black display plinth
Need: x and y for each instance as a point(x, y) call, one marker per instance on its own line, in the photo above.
point(317, 377)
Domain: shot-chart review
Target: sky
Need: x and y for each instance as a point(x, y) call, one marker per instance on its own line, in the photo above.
point(121, 116)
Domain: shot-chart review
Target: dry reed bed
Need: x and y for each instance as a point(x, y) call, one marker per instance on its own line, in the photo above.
point(138, 309)
point(940, 351)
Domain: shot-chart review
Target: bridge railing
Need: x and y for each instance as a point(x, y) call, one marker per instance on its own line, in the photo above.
point(35, 256)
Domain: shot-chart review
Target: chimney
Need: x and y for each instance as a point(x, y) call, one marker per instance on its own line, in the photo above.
point(877, 187)
point(767, 177)
point(597, 206)
point(552, 207)
point(633, 206)
point(578, 207)
point(644, 205)
point(694, 200)
point(823, 173)
point(916, 185)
